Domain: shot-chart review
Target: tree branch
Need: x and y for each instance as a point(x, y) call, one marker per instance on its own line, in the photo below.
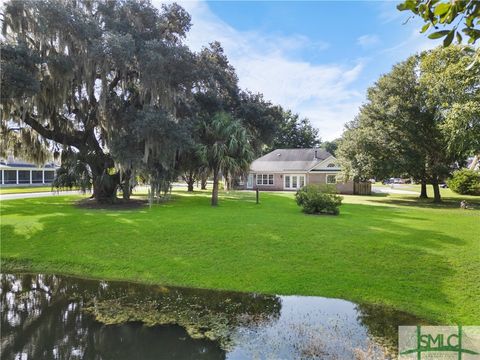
point(62, 138)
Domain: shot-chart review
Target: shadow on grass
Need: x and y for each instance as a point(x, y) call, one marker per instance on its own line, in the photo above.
point(446, 203)
point(372, 253)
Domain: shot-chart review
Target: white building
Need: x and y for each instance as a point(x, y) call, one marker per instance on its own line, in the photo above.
point(15, 172)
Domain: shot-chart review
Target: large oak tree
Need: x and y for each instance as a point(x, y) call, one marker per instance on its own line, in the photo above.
point(67, 67)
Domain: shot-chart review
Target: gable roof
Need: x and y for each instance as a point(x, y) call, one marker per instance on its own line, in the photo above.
point(289, 160)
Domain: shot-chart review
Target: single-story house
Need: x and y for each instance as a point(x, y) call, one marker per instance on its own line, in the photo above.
point(17, 172)
point(290, 169)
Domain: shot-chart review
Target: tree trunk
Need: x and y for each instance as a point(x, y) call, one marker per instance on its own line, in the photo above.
point(436, 192)
point(215, 188)
point(204, 182)
point(190, 180)
point(104, 185)
point(227, 183)
point(190, 185)
point(105, 188)
point(423, 191)
point(126, 187)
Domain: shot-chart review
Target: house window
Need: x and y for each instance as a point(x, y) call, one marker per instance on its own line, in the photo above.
point(330, 165)
point(302, 181)
point(49, 176)
point(10, 176)
point(294, 182)
point(287, 181)
point(331, 179)
point(23, 177)
point(37, 177)
point(264, 179)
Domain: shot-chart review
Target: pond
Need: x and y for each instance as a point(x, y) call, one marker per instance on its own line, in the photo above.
point(58, 317)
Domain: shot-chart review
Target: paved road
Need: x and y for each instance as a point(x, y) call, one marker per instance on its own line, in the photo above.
point(35, 195)
point(385, 190)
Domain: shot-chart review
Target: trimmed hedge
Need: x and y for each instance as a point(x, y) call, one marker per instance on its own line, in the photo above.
point(316, 199)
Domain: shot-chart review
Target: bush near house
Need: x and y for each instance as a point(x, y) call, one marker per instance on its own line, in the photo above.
point(315, 199)
point(465, 182)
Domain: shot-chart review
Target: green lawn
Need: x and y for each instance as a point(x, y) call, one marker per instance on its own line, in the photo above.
point(24, 189)
point(393, 250)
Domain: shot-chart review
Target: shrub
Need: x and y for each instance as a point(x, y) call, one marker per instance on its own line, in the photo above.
point(317, 199)
point(465, 182)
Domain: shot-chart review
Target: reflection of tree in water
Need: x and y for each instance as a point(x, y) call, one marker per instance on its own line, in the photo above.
point(50, 317)
point(382, 323)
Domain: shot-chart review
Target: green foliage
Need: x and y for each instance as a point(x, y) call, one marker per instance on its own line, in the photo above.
point(331, 146)
point(72, 174)
point(225, 146)
point(445, 13)
point(101, 58)
point(116, 82)
point(465, 182)
point(295, 133)
point(454, 93)
point(262, 119)
point(315, 199)
point(420, 120)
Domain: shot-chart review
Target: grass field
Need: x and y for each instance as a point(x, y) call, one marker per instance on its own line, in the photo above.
point(415, 256)
point(24, 189)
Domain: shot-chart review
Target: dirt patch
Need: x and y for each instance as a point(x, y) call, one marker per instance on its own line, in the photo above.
point(119, 204)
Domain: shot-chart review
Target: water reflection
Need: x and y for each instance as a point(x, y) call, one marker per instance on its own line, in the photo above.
point(55, 317)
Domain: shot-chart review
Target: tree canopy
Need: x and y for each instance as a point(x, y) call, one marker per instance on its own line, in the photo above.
point(417, 123)
point(294, 132)
point(81, 64)
point(113, 89)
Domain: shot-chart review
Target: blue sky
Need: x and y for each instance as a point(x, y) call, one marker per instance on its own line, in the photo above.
point(317, 57)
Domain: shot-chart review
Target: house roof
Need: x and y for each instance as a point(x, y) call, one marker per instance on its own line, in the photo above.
point(21, 164)
point(290, 160)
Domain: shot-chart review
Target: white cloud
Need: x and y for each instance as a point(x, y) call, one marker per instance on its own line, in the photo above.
point(367, 41)
point(414, 43)
point(388, 13)
point(268, 63)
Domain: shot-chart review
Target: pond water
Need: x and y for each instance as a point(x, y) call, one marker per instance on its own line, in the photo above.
point(57, 317)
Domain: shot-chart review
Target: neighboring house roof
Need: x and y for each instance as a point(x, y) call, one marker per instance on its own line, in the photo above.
point(290, 160)
point(473, 163)
point(21, 164)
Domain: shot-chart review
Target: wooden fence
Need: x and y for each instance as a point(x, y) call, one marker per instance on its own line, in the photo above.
point(362, 188)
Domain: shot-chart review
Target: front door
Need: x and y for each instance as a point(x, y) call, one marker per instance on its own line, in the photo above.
point(293, 182)
point(250, 181)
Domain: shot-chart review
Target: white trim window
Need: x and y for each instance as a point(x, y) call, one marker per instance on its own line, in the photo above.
point(331, 179)
point(264, 179)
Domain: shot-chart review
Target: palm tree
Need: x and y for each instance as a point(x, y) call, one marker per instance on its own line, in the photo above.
point(225, 147)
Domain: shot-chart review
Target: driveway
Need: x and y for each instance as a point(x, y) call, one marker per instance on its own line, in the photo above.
point(37, 194)
point(388, 190)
